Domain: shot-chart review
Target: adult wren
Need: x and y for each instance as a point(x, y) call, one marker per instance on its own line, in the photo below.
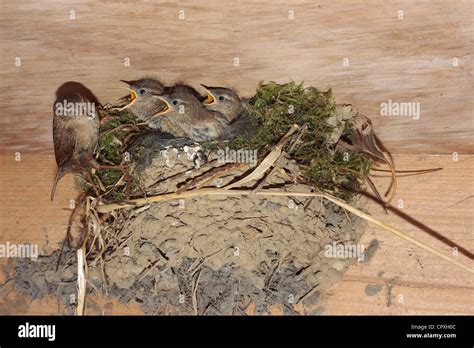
point(75, 134)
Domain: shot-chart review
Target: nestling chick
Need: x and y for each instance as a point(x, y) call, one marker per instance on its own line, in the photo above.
point(185, 116)
point(143, 105)
point(223, 100)
point(75, 134)
point(185, 89)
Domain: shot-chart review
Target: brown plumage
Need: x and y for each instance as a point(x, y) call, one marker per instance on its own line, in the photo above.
point(179, 86)
point(142, 105)
point(75, 134)
point(185, 116)
point(223, 100)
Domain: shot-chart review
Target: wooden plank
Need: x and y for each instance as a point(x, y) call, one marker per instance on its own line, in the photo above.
point(429, 286)
point(403, 60)
point(27, 214)
point(443, 201)
point(389, 59)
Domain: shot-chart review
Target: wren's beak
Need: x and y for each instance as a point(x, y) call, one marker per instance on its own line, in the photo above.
point(165, 109)
point(133, 96)
point(210, 97)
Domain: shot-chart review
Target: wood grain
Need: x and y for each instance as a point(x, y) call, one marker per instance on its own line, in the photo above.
point(404, 60)
point(389, 59)
point(443, 201)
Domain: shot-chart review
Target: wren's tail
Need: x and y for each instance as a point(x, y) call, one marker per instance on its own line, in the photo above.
point(59, 175)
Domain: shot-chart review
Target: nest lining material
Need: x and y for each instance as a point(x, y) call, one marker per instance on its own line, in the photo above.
point(308, 146)
point(210, 229)
point(271, 251)
point(326, 162)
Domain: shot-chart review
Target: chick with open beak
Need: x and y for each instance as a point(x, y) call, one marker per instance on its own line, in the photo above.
point(142, 103)
point(184, 116)
point(223, 100)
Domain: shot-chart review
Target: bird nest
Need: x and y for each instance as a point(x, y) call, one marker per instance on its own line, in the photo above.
point(255, 220)
point(263, 222)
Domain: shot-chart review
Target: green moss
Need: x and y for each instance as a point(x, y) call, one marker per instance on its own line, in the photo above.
point(110, 149)
point(275, 108)
point(109, 177)
point(109, 153)
point(209, 146)
point(120, 118)
point(271, 112)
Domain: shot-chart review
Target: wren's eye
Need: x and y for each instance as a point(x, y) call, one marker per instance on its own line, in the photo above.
point(141, 91)
point(221, 97)
point(174, 102)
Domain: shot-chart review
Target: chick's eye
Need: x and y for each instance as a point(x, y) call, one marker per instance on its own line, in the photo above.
point(174, 102)
point(142, 91)
point(221, 97)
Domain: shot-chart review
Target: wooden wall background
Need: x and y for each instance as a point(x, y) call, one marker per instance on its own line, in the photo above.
point(401, 60)
point(405, 60)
